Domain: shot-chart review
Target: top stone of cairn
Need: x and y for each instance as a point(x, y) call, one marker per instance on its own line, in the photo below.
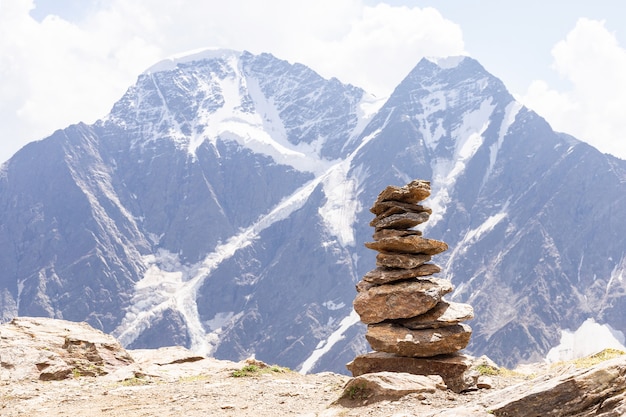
point(412, 193)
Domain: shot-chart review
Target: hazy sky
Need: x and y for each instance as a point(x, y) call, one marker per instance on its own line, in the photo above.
point(65, 61)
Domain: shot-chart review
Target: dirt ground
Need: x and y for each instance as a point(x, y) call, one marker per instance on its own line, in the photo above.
point(209, 388)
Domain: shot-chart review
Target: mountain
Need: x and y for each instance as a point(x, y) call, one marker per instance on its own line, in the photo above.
point(223, 205)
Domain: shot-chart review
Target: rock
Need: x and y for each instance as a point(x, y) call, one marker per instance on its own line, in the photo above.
point(451, 368)
point(445, 313)
point(380, 276)
point(383, 233)
point(408, 244)
point(413, 192)
point(484, 382)
point(167, 355)
point(400, 300)
point(392, 338)
point(401, 260)
point(596, 391)
point(52, 349)
point(394, 207)
point(399, 221)
point(388, 386)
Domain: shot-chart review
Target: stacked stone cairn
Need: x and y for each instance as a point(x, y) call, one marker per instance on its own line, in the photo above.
point(410, 327)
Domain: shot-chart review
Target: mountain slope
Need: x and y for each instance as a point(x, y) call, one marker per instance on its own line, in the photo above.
point(222, 205)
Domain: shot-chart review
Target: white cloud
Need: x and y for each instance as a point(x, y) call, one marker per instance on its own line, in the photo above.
point(56, 72)
point(592, 110)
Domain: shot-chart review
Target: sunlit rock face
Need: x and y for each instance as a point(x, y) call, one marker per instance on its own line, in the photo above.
point(222, 205)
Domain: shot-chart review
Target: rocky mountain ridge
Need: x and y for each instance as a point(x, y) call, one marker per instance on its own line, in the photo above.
point(60, 368)
point(220, 206)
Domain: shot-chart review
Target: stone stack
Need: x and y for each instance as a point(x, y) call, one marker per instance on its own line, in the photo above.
point(410, 326)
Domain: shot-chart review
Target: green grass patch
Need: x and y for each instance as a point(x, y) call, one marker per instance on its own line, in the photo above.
point(596, 358)
point(256, 369)
point(134, 381)
point(488, 370)
point(356, 392)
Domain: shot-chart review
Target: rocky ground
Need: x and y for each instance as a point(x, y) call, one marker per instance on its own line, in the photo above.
point(209, 388)
point(57, 368)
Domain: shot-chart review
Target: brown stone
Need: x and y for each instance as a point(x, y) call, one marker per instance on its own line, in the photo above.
point(380, 276)
point(383, 233)
point(399, 221)
point(403, 299)
point(445, 313)
point(596, 391)
point(401, 260)
point(388, 386)
point(363, 286)
point(408, 244)
point(413, 192)
point(52, 349)
point(393, 207)
point(393, 338)
point(452, 368)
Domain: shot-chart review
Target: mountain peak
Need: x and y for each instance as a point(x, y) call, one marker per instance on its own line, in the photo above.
point(447, 62)
point(172, 62)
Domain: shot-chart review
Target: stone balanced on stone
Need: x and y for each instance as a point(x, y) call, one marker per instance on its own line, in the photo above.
point(410, 326)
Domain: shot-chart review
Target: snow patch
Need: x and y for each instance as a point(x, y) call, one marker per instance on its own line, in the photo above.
point(341, 206)
point(331, 305)
point(509, 117)
point(588, 339)
point(431, 130)
point(324, 346)
point(468, 139)
point(167, 284)
point(617, 274)
point(488, 225)
point(219, 320)
point(446, 62)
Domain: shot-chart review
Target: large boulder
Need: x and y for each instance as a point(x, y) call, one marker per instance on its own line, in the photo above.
point(596, 391)
point(52, 349)
point(388, 386)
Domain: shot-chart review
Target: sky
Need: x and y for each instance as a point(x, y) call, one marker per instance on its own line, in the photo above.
point(67, 61)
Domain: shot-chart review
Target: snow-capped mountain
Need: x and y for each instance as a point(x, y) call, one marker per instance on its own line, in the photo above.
point(223, 205)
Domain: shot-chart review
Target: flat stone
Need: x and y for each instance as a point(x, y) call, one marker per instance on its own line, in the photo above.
point(408, 244)
point(413, 192)
point(484, 382)
point(452, 368)
point(393, 207)
point(389, 386)
point(401, 260)
point(383, 233)
point(403, 299)
point(380, 276)
point(445, 313)
point(400, 221)
point(393, 338)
